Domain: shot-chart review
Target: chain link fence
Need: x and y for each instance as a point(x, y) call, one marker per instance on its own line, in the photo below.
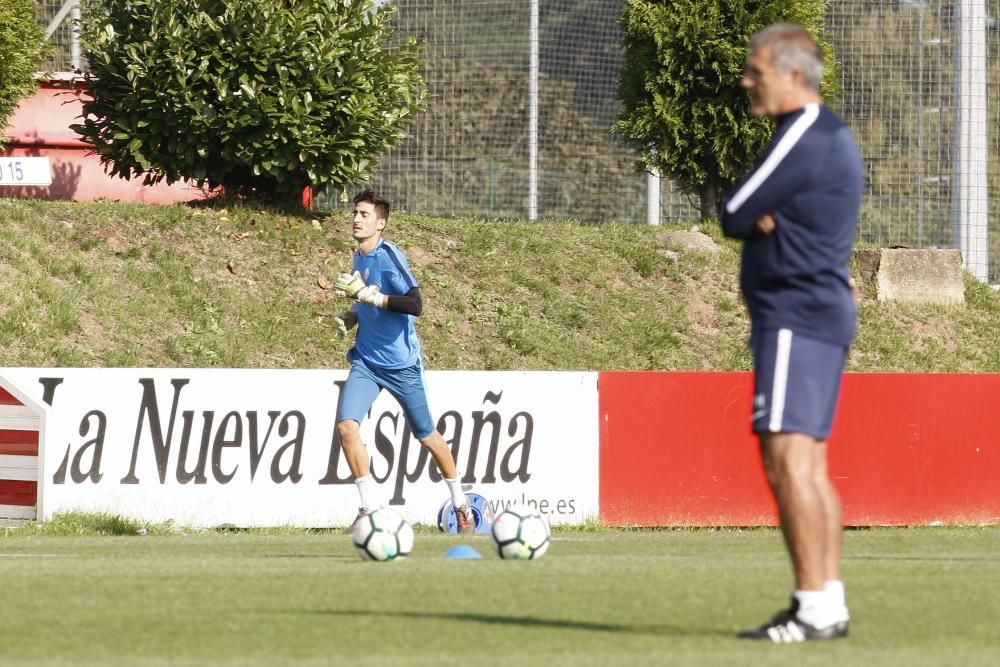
point(520, 105)
point(919, 88)
point(57, 18)
point(507, 134)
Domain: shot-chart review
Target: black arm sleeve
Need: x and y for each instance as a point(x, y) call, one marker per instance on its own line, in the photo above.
point(409, 303)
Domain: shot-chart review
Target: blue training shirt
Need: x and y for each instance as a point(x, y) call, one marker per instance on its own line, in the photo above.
point(385, 339)
point(810, 179)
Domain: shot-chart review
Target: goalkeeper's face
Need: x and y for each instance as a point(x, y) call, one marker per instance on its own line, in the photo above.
point(367, 225)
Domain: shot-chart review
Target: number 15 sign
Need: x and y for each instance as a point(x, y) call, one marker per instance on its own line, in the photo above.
point(25, 171)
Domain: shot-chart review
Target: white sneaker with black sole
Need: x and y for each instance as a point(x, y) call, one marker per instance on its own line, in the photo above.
point(788, 628)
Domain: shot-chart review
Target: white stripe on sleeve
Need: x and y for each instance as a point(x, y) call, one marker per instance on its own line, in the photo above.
point(785, 144)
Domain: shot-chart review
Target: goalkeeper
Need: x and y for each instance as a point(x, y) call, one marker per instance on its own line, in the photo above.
point(386, 353)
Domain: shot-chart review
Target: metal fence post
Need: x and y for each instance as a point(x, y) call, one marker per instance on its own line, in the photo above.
point(75, 61)
point(533, 115)
point(970, 192)
point(652, 198)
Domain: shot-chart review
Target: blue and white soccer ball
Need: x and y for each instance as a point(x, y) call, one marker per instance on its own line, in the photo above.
point(520, 533)
point(482, 515)
point(383, 534)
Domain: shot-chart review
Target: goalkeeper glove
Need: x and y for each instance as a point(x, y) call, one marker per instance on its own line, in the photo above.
point(344, 322)
point(349, 284)
point(353, 286)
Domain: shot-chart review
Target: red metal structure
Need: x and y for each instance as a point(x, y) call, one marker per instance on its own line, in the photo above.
point(41, 127)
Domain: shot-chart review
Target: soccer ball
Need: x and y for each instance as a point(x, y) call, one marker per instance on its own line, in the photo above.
point(520, 532)
point(383, 534)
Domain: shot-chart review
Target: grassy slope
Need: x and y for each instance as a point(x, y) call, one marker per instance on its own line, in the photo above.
point(108, 284)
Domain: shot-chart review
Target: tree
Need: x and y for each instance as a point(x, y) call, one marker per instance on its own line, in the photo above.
point(22, 47)
point(681, 103)
point(261, 97)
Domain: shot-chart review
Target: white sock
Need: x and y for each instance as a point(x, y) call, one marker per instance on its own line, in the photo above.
point(816, 608)
point(368, 491)
point(835, 589)
point(457, 496)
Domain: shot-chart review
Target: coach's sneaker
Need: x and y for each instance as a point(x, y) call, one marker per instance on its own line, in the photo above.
point(843, 624)
point(788, 628)
point(466, 522)
point(362, 513)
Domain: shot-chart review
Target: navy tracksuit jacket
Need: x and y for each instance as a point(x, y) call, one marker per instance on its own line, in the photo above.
point(810, 179)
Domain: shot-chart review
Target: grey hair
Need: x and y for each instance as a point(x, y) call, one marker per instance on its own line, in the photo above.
point(792, 48)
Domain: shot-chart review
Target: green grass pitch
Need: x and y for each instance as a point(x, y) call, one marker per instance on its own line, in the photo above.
point(918, 596)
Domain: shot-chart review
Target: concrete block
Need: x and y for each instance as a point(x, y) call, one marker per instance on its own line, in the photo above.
point(911, 275)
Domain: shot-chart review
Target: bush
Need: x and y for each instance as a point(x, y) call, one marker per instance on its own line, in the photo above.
point(261, 97)
point(22, 47)
point(682, 106)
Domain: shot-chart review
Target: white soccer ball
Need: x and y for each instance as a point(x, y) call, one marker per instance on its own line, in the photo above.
point(520, 533)
point(383, 534)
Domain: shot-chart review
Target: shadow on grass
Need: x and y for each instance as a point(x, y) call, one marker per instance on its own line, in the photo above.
point(534, 622)
point(930, 559)
point(337, 557)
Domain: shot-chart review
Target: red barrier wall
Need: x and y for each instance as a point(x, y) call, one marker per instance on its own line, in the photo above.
point(676, 449)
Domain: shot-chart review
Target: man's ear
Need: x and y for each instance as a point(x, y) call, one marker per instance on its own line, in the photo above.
point(380, 225)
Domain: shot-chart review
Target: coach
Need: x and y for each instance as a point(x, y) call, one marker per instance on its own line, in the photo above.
point(797, 213)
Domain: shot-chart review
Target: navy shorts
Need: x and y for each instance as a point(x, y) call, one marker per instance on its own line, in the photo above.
point(365, 382)
point(796, 382)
